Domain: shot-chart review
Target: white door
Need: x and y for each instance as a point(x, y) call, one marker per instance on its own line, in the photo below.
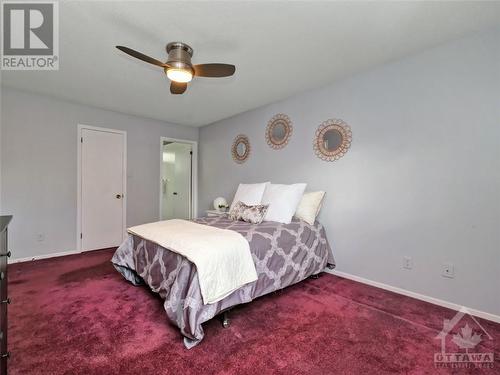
point(102, 188)
point(176, 181)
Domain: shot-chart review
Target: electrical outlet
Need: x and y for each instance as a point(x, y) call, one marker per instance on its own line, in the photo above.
point(448, 270)
point(407, 263)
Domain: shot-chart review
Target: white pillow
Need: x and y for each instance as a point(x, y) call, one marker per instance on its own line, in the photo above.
point(250, 194)
point(309, 206)
point(283, 201)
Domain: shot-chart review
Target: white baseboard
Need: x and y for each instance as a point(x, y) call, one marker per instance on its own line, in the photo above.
point(44, 256)
point(422, 297)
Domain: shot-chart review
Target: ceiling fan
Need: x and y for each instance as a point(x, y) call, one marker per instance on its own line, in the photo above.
point(178, 66)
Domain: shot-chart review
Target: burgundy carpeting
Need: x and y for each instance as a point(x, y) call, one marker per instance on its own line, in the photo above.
point(77, 315)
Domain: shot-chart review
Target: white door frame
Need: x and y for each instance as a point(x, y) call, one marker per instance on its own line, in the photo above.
point(79, 181)
point(194, 175)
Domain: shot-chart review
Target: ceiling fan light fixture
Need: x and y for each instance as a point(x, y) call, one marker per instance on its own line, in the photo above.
point(178, 67)
point(179, 75)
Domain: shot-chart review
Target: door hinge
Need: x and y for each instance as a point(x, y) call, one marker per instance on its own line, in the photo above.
point(81, 236)
point(190, 152)
point(81, 139)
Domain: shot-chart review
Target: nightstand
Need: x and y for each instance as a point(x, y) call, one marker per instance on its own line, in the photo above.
point(215, 213)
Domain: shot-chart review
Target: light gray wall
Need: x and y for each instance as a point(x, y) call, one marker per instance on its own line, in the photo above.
point(39, 161)
point(422, 178)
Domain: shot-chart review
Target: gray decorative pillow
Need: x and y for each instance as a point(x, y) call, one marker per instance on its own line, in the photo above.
point(250, 214)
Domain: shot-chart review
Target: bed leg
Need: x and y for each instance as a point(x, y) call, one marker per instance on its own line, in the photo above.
point(225, 319)
point(314, 276)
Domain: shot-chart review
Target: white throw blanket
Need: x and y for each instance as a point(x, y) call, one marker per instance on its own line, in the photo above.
point(222, 257)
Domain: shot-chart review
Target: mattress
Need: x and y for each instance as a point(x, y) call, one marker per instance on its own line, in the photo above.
point(284, 254)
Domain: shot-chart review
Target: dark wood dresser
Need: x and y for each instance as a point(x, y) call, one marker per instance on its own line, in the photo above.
point(4, 299)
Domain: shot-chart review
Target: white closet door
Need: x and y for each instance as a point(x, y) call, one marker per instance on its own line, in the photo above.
point(102, 190)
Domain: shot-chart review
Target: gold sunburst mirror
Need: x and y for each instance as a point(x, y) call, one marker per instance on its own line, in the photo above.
point(332, 140)
point(240, 149)
point(279, 130)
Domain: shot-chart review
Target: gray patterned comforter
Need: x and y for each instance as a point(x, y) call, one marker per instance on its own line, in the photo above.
point(284, 254)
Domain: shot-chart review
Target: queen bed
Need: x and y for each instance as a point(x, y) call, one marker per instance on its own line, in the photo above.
point(283, 254)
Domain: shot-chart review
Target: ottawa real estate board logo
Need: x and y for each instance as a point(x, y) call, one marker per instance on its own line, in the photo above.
point(30, 35)
point(465, 344)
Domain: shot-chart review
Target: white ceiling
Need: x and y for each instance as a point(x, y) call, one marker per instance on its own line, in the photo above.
point(279, 49)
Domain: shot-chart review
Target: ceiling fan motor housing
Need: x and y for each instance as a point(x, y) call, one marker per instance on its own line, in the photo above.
point(179, 56)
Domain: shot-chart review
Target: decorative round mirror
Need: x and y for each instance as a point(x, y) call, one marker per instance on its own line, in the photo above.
point(333, 139)
point(279, 130)
point(240, 149)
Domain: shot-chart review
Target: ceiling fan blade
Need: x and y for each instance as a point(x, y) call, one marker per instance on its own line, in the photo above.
point(141, 56)
point(214, 70)
point(178, 87)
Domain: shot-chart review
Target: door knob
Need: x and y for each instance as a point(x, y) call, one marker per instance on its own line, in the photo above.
point(118, 196)
point(175, 193)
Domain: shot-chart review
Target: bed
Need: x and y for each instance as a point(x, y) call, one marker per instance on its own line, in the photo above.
point(283, 254)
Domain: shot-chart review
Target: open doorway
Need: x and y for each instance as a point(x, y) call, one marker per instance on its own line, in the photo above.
point(178, 161)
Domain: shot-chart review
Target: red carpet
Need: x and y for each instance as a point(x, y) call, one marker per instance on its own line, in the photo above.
point(77, 315)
